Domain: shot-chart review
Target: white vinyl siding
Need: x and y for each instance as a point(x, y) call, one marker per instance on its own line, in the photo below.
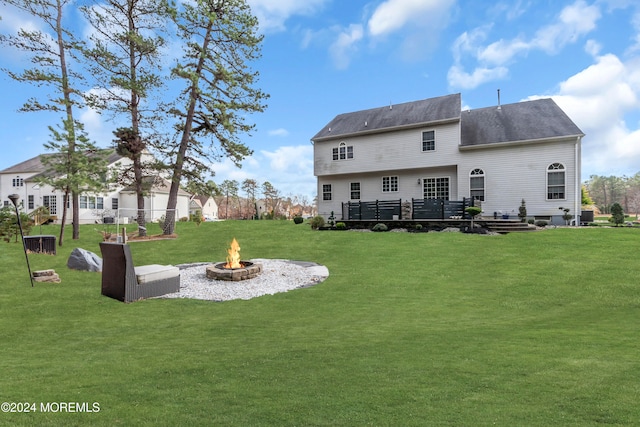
point(388, 151)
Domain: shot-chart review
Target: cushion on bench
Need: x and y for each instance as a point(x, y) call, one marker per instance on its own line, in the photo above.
point(153, 272)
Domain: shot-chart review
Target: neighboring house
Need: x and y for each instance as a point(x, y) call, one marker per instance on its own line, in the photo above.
point(156, 190)
point(206, 205)
point(430, 149)
point(115, 202)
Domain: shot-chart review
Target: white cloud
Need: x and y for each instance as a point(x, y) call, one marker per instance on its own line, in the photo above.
point(345, 45)
point(459, 78)
point(393, 15)
point(289, 169)
point(418, 23)
point(278, 132)
point(573, 22)
point(272, 14)
point(599, 99)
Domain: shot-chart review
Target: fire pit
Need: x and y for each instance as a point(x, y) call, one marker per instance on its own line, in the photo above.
point(234, 269)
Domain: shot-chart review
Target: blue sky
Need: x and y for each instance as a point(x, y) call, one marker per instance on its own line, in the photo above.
point(321, 58)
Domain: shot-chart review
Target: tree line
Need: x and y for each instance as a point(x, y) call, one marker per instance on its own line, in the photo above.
point(251, 200)
point(189, 110)
point(604, 191)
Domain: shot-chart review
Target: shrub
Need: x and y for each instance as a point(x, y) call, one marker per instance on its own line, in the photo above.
point(380, 227)
point(341, 226)
point(522, 211)
point(316, 222)
point(617, 214)
point(418, 227)
point(542, 223)
point(184, 219)
point(298, 220)
point(531, 221)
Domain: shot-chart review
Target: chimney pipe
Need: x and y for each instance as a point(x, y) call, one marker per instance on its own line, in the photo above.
point(499, 105)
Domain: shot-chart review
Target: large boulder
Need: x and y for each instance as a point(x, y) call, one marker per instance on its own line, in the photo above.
point(81, 259)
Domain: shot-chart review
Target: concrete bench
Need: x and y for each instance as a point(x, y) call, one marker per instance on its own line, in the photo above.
point(124, 282)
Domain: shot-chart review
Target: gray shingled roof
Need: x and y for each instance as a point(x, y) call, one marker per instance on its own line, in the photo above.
point(35, 164)
point(32, 165)
point(523, 121)
point(386, 118)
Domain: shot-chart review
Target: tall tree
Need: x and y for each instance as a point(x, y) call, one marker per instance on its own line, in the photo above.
point(229, 189)
point(250, 188)
point(51, 52)
point(272, 197)
point(125, 59)
point(73, 169)
point(220, 37)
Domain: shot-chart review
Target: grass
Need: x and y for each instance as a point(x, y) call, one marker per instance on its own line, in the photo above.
point(531, 329)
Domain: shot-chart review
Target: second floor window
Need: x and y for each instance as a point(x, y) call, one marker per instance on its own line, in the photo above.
point(18, 182)
point(343, 152)
point(429, 140)
point(389, 184)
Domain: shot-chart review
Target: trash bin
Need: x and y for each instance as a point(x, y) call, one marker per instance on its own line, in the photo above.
point(41, 244)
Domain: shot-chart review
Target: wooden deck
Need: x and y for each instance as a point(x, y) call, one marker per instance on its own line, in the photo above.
point(502, 226)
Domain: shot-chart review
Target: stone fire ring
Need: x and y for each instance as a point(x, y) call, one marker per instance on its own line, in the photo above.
point(250, 270)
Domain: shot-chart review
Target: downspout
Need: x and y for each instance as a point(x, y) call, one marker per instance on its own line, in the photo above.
point(578, 200)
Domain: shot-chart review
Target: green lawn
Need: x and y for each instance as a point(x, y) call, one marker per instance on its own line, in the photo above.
point(530, 329)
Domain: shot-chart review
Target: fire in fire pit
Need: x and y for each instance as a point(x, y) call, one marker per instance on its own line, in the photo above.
point(234, 269)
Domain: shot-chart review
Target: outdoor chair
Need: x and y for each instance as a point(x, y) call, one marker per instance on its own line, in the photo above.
point(124, 282)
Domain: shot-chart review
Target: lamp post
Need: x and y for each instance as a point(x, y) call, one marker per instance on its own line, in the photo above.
point(14, 199)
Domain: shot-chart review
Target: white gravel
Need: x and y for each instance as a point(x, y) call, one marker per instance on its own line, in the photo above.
point(278, 275)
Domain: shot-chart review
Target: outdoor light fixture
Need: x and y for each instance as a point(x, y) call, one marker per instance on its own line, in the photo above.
point(14, 199)
point(419, 181)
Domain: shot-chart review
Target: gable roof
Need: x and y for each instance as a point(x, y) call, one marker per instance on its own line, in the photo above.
point(417, 113)
point(35, 164)
point(522, 121)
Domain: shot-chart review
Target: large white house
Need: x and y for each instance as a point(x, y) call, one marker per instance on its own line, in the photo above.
point(116, 203)
point(431, 149)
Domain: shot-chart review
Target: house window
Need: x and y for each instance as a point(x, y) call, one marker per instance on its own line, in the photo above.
point(343, 152)
point(92, 202)
point(18, 182)
point(355, 191)
point(83, 202)
point(326, 191)
point(50, 203)
point(429, 140)
point(389, 184)
point(30, 202)
point(114, 204)
point(436, 188)
point(100, 202)
point(556, 181)
point(476, 184)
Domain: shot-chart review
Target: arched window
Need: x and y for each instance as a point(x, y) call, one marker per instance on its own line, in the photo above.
point(556, 182)
point(476, 184)
point(343, 152)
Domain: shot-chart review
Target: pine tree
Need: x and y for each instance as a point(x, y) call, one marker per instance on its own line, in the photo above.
point(125, 59)
point(50, 50)
point(73, 171)
point(220, 37)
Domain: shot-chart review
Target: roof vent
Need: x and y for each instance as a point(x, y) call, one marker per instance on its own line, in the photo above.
point(365, 123)
point(499, 106)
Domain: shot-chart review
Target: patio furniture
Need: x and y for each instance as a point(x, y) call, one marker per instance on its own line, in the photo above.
point(124, 282)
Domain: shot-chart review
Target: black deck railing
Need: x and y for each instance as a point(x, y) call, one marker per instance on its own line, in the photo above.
point(392, 209)
point(376, 210)
point(439, 208)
